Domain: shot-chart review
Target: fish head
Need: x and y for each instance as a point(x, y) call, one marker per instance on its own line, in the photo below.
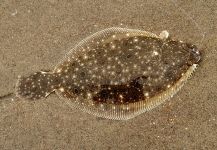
point(194, 53)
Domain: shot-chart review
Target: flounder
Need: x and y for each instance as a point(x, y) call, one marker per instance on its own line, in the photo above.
point(116, 73)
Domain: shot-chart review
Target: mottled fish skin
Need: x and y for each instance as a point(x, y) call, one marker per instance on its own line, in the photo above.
point(113, 69)
point(126, 70)
point(37, 85)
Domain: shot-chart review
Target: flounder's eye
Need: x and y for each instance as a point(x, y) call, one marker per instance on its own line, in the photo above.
point(194, 50)
point(195, 54)
point(191, 48)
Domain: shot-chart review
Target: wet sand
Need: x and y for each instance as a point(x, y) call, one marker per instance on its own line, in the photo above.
point(36, 35)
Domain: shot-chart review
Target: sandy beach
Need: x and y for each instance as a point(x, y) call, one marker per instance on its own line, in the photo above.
point(35, 35)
